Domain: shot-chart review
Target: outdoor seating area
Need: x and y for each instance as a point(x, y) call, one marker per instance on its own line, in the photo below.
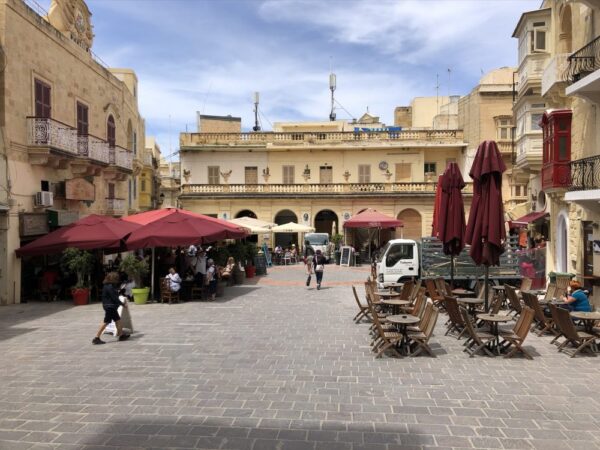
point(403, 319)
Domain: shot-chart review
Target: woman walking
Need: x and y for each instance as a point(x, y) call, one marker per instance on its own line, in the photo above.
point(111, 304)
point(308, 264)
point(319, 265)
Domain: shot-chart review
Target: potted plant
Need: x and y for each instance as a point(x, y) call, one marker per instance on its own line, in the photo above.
point(136, 269)
point(80, 263)
point(250, 253)
point(337, 239)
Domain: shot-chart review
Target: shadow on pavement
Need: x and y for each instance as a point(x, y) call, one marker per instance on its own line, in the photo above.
point(11, 316)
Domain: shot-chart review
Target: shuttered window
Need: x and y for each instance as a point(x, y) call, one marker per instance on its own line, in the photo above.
point(325, 174)
point(403, 172)
point(111, 190)
point(42, 100)
point(251, 175)
point(82, 119)
point(288, 174)
point(213, 175)
point(111, 131)
point(364, 173)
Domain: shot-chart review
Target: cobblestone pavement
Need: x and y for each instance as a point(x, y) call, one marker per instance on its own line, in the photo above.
point(276, 365)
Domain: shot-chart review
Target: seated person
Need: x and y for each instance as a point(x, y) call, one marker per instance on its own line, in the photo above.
point(189, 275)
point(174, 280)
point(228, 269)
point(577, 300)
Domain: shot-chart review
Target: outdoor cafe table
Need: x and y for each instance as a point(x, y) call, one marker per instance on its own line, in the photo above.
point(403, 320)
point(395, 304)
point(462, 293)
point(588, 318)
point(387, 294)
point(494, 320)
point(535, 292)
point(471, 303)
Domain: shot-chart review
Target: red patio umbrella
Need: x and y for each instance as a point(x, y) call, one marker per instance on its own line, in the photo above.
point(435, 231)
point(90, 233)
point(485, 229)
point(371, 218)
point(451, 214)
point(172, 227)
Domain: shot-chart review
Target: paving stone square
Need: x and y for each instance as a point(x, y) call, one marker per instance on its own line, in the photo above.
point(276, 365)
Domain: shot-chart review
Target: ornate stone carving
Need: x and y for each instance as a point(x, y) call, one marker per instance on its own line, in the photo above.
point(226, 175)
point(72, 18)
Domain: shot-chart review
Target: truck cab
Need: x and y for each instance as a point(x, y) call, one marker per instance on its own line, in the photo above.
point(317, 241)
point(398, 261)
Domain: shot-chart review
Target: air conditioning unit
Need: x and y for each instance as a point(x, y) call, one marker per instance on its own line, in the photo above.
point(44, 198)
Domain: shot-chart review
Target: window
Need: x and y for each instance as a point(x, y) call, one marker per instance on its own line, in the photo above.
point(111, 131)
point(538, 40)
point(130, 192)
point(535, 121)
point(288, 174)
point(504, 127)
point(134, 143)
point(143, 184)
point(82, 119)
point(403, 172)
point(251, 175)
point(213, 175)
point(364, 173)
point(398, 252)
point(325, 174)
point(430, 167)
point(134, 188)
point(42, 100)
point(111, 190)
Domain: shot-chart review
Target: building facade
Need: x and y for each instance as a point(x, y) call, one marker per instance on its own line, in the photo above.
point(149, 179)
point(71, 130)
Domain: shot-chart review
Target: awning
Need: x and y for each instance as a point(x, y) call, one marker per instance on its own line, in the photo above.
point(527, 219)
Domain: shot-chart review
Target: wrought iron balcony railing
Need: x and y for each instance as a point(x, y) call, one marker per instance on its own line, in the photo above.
point(314, 188)
point(584, 61)
point(115, 205)
point(585, 174)
point(52, 133)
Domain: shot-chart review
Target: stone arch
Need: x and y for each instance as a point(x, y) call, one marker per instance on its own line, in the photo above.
point(565, 36)
point(327, 221)
point(246, 213)
point(111, 131)
point(413, 224)
point(285, 239)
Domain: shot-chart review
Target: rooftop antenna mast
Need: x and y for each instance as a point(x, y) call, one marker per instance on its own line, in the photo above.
point(332, 85)
point(256, 126)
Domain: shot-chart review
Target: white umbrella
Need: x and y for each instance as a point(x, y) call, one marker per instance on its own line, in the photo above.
point(292, 227)
point(255, 226)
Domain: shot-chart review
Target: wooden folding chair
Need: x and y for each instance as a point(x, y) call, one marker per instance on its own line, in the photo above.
point(406, 290)
point(416, 289)
point(385, 340)
point(456, 324)
point(580, 340)
point(562, 283)
point(426, 315)
point(433, 293)
point(166, 293)
point(550, 292)
point(544, 323)
point(514, 304)
point(421, 339)
point(363, 310)
point(516, 338)
point(477, 340)
point(526, 284)
point(416, 309)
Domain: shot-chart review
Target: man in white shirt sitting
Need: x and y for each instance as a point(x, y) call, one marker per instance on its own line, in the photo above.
point(174, 280)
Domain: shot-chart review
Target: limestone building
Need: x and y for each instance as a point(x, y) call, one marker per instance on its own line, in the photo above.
point(170, 184)
point(149, 179)
point(72, 136)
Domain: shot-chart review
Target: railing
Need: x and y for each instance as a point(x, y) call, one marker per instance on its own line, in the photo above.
point(333, 188)
point(320, 138)
point(584, 61)
point(147, 159)
point(505, 147)
point(98, 149)
point(52, 133)
point(115, 204)
point(585, 174)
point(123, 158)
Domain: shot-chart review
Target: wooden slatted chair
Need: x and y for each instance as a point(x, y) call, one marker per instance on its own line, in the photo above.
point(526, 284)
point(550, 292)
point(456, 324)
point(425, 316)
point(385, 339)
point(514, 304)
point(416, 290)
point(433, 293)
point(406, 290)
point(420, 340)
point(562, 284)
point(559, 333)
point(166, 293)
point(580, 340)
point(516, 338)
point(477, 340)
point(544, 323)
point(363, 309)
point(416, 309)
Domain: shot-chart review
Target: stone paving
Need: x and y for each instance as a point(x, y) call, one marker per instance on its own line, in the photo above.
point(276, 365)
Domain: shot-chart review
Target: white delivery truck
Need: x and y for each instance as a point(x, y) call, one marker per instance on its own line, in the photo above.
point(398, 261)
point(317, 241)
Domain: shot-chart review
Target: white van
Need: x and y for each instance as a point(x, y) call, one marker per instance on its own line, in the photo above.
point(398, 261)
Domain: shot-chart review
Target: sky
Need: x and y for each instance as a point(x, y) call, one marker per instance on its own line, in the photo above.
point(210, 56)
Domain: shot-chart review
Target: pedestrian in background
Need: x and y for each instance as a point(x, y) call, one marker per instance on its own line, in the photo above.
point(319, 266)
point(308, 264)
point(111, 304)
point(211, 279)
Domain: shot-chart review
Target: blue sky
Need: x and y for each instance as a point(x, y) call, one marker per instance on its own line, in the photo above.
point(211, 55)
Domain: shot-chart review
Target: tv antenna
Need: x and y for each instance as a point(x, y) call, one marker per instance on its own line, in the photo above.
point(256, 126)
point(332, 86)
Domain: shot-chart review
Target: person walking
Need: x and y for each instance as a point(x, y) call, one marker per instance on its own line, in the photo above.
point(319, 265)
point(111, 304)
point(308, 263)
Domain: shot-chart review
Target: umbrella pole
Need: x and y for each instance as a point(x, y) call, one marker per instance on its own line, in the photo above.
point(152, 275)
point(485, 284)
point(451, 271)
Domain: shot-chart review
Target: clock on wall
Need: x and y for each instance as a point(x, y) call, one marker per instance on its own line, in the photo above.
point(383, 165)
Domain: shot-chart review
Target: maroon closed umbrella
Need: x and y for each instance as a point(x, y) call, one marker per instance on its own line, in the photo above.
point(90, 233)
point(451, 214)
point(485, 230)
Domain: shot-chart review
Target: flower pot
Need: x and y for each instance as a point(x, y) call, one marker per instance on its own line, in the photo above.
point(250, 271)
point(140, 295)
point(238, 276)
point(81, 296)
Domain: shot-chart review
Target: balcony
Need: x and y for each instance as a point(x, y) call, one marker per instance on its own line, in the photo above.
point(555, 75)
point(115, 206)
point(430, 137)
point(585, 183)
point(531, 69)
point(556, 176)
point(312, 190)
point(505, 147)
point(529, 152)
point(51, 142)
point(583, 71)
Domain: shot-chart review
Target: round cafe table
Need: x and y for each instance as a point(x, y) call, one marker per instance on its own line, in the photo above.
point(588, 318)
point(493, 320)
point(395, 304)
point(387, 294)
point(462, 293)
point(402, 321)
point(471, 303)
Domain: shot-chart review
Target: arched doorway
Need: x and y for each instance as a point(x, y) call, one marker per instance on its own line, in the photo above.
point(413, 224)
point(111, 131)
point(565, 36)
point(561, 243)
point(285, 239)
point(246, 213)
point(326, 221)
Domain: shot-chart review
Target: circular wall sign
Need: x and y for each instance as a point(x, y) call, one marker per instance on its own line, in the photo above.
point(383, 165)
